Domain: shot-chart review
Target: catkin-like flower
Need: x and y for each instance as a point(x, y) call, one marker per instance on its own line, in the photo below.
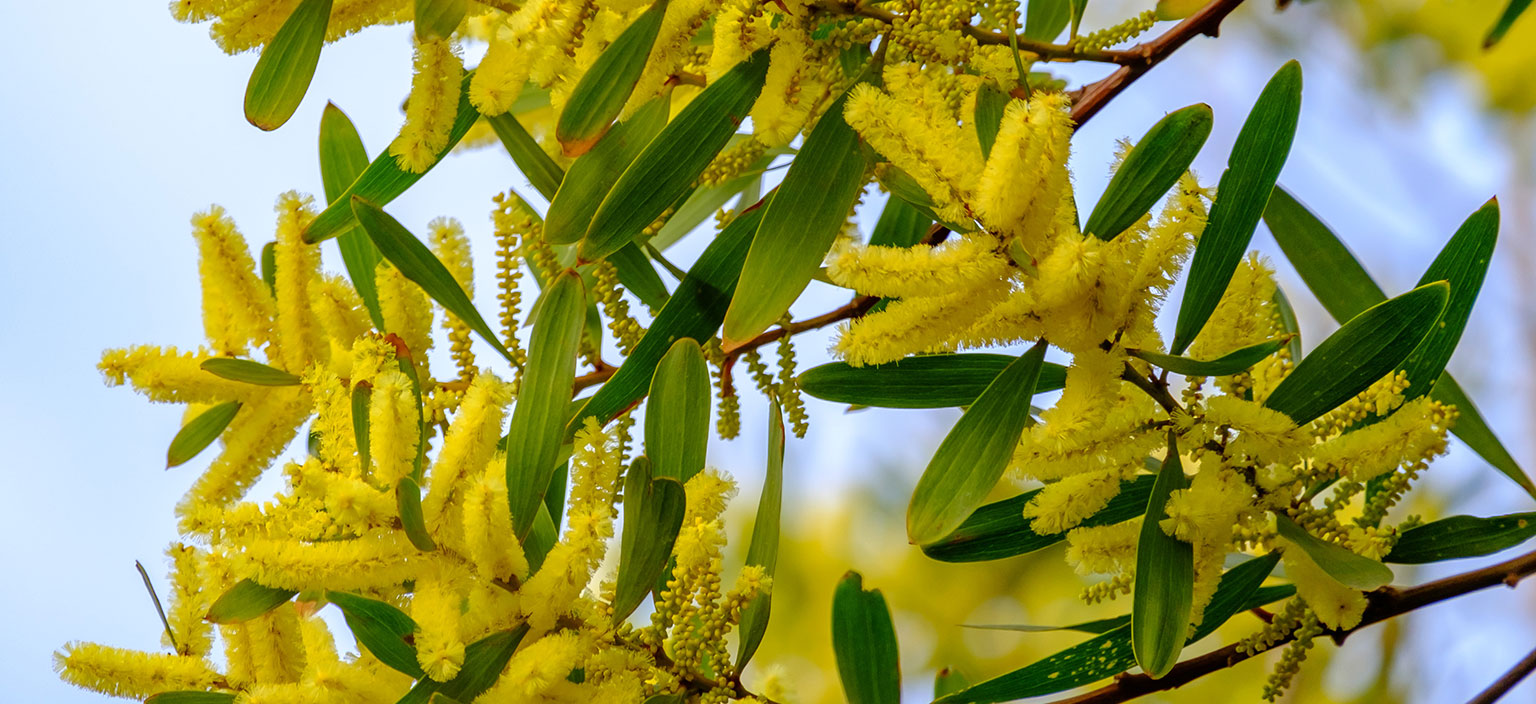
point(252, 442)
point(298, 270)
point(470, 442)
point(920, 270)
point(1025, 177)
point(432, 108)
point(377, 560)
point(394, 428)
point(1067, 502)
point(916, 325)
point(790, 90)
point(452, 249)
point(1264, 435)
point(1335, 604)
point(341, 314)
point(1245, 315)
point(189, 600)
point(670, 51)
point(165, 375)
point(537, 667)
point(407, 313)
point(489, 541)
point(1107, 549)
point(127, 673)
point(237, 307)
point(941, 157)
point(435, 607)
point(1415, 431)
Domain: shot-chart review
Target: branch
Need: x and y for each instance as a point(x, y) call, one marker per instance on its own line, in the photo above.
point(1384, 603)
point(1206, 20)
point(1501, 686)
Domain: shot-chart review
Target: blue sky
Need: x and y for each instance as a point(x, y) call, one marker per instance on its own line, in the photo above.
point(120, 123)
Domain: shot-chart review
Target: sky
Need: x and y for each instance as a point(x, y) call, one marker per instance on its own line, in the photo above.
point(120, 124)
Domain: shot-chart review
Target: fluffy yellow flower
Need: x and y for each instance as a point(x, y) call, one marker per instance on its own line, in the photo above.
point(237, 307)
point(470, 442)
point(940, 156)
point(1336, 605)
point(433, 105)
point(1064, 504)
point(376, 560)
point(1245, 316)
point(1107, 549)
point(166, 375)
point(394, 428)
point(1025, 177)
point(435, 607)
point(1266, 436)
point(126, 673)
point(298, 270)
point(960, 264)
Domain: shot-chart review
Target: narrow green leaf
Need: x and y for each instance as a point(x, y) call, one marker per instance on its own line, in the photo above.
point(384, 180)
point(949, 680)
point(606, 86)
point(1512, 12)
point(653, 515)
point(1362, 351)
point(999, 529)
point(695, 310)
point(764, 548)
point(900, 225)
point(381, 628)
point(247, 371)
point(639, 276)
point(342, 160)
point(1463, 263)
point(1077, 8)
point(1457, 537)
point(703, 202)
point(191, 698)
point(1343, 287)
point(1103, 625)
point(1351, 570)
point(149, 586)
point(245, 601)
point(865, 643)
point(408, 502)
point(269, 266)
point(800, 225)
point(362, 397)
point(418, 264)
point(1257, 157)
point(1111, 653)
point(534, 437)
point(437, 19)
point(199, 433)
point(677, 418)
point(593, 175)
point(990, 104)
point(975, 452)
point(540, 170)
point(1226, 365)
point(287, 65)
point(1165, 578)
point(541, 539)
point(484, 660)
point(669, 165)
point(1044, 19)
point(1152, 167)
point(903, 186)
point(934, 381)
point(1288, 323)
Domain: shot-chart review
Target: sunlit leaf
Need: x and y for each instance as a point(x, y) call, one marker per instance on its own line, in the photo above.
point(990, 104)
point(949, 680)
point(287, 65)
point(1152, 167)
point(247, 371)
point(1044, 19)
point(1231, 363)
point(342, 160)
point(200, 432)
point(934, 381)
point(1351, 570)
point(437, 19)
point(245, 601)
point(653, 515)
point(541, 171)
point(408, 503)
point(537, 419)
point(999, 529)
point(384, 630)
point(606, 86)
point(484, 660)
point(593, 175)
point(764, 548)
point(677, 415)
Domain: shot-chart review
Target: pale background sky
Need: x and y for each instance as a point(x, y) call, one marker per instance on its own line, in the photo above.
point(118, 124)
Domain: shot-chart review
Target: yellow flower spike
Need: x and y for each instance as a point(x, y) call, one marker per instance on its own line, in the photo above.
point(452, 248)
point(275, 646)
point(376, 560)
point(942, 159)
point(1336, 605)
point(1415, 432)
point(253, 441)
point(1093, 376)
point(407, 313)
point(238, 667)
point(1067, 502)
point(741, 28)
point(1265, 435)
point(536, 668)
point(916, 325)
point(1245, 315)
point(165, 375)
point(595, 468)
point(237, 307)
point(430, 111)
point(394, 429)
point(1107, 549)
point(298, 271)
point(488, 537)
point(1209, 560)
point(340, 311)
point(512, 219)
point(333, 420)
point(319, 647)
point(248, 24)
point(500, 77)
point(1025, 177)
point(470, 443)
point(127, 673)
point(960, 264)
point(435, 606)
point(709, 492)
point(188, 601)
point(790, 90)
point(370, 357)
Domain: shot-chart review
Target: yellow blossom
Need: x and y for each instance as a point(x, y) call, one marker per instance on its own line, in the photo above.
point(394, 428)
point(433, 105)
point(1025, 177)
point(298, 270)
point(126, 673)
point(1336, 605)
point(237, 307)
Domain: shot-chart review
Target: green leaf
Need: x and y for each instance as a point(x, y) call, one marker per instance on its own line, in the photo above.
point(990, 104)
point(949, 680)
point(677, 418)
point(199, 433)
point(1077, 8)
point(541, 539)
point(975, 452)
point(1111, 653)
point(1044, 19)
point(934, 381)
point(165, 623)
point(606, 86)
point(669, 165)
point(269, 266)
point(381, 628)
point(865, 643)
point(535, 429)
point(695, 310)
point(764, 548)
point(1165, 578)
point(408, 502)
point(247, 371)
point(1343, 287)
point(1288, 323)
point(593, 175)
point(245, 601)
point(1463, 263)
point(1103, 625)
point(342, 160)
point(537, 166)
point(484, 660)
point(1358, 354)
point(705, 201)
point(1257, 157)
point(1152, 167)
point(1512, 12)
point(1351, 570)
point(999, 529)
point(822, 185)
point(900, 225)
point(1457, 537)
point(437, 19)
point(638, 276)
point(653, 515)
point(903, 186)
point(287, 65)
point(384, 180)
point(418, 264)
point(362, 396)
point(1226, 365)
point(191, 698)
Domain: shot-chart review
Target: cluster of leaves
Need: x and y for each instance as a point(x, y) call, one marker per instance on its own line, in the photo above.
point(627, 172)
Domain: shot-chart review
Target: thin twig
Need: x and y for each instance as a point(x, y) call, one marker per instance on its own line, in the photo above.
point(1383, 604)
point(1502, 685)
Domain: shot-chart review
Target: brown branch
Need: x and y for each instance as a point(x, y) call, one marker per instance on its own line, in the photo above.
point(1206, 20)
point(1384, 603)
point(1502, 685)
